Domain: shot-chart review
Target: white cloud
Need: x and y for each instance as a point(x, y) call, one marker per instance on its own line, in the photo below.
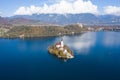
point(62, 7)
point(0, 13)
point(113, 10)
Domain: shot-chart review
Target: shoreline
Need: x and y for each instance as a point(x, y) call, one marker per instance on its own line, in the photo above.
point(46, 36)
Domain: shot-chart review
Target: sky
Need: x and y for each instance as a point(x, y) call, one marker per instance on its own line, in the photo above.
point(29, 7)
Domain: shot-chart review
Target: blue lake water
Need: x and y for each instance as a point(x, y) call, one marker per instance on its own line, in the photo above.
point(97, 57)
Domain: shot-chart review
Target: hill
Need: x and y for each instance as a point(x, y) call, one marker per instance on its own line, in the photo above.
point(85, 18)
point(60, 19)
point(41, 31)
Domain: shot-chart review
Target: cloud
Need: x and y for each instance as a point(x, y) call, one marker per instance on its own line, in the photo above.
point(112, 10)
point(61, 7)
point(0, 13)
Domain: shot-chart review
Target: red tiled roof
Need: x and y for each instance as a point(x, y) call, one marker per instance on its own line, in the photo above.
point(59, 43)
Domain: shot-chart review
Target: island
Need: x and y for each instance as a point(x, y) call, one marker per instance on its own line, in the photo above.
point(61, 51)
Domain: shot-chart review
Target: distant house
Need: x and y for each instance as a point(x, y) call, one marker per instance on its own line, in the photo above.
point(21, 36)
point(58, 44)
point(90, 28)
point(65, 51)
point(80, 25)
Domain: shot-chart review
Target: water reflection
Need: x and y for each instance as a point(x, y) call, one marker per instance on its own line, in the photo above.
point(111, 38)
point(81, 43)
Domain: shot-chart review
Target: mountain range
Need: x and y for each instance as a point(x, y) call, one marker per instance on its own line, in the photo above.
point(62, 19)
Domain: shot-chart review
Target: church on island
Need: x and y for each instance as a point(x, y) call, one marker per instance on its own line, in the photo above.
point(61, 50)
point(60, 45)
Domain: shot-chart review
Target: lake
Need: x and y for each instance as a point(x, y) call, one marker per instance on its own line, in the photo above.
point(97, 57)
